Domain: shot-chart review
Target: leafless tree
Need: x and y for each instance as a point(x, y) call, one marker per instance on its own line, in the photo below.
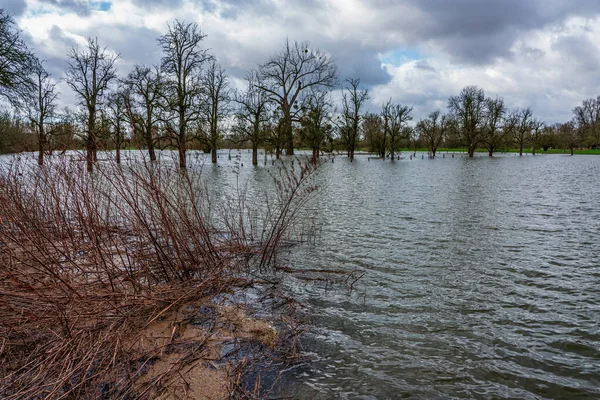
point(469, 111)
point(288, 76)
point(316, 125)
point(353, 100)
point(522, 129)
point(217, 104)
point(182, 63)
point(17, 63)
point(142, 104)
point(41, 108)
point(432, 130)
point(372, 128)
point(537, 129)
point(252, 113)
point(567, 134)
point(494, 134)
point(117, 118)
point(397, 116)
point(587, 119)
point(89, 74)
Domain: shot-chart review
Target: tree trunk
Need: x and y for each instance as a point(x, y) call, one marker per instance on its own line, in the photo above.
point(254, 154)
point(150, 145)
point(533, 150)
point(277, 152)
point(118, 153)
point(182, 159)
point(521, 149)
point(471, 151)
point(213, 152)
point(41, 148)
point(90, 147)
point(288, 134)
point(490, 153)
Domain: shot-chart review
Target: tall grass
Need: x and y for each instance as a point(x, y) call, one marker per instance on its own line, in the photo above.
point(88, 260)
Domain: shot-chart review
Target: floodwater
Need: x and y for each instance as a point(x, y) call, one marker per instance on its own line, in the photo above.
point(482, 279)
point(481, 276)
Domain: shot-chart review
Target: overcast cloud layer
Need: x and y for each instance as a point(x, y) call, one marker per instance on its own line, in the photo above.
point(539, 53)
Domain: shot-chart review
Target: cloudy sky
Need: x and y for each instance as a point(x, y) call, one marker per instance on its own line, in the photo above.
point(539, 53)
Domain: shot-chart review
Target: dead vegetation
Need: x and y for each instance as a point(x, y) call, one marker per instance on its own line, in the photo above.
point(97, 272)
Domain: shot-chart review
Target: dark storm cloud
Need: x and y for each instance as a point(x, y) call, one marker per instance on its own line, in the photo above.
point(14, 7)
point(476, 31)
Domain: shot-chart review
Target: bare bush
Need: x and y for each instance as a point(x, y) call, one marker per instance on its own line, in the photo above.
point(88, 260)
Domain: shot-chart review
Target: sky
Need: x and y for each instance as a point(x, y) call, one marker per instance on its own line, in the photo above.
point(543, 54)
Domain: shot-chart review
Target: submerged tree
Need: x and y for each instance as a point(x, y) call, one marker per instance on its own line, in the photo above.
point(182, 65)
point(522, 128)
point(17, 64)
point(116, 115)
point(252, 114)
point(89, 74)
point(141, 101)
point(469, 111)
point(372, 128)
point(41, 108)
point(315, 124)
point(397, 116)
point(495, 132)
point(217, 107)
point(288, 76)
point(353, 100)
point(432, 130)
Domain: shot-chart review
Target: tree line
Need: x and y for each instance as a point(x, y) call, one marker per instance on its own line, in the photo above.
point(186, 101)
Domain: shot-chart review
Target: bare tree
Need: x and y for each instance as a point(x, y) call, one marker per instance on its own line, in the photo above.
point(522, 129)
point(567, 134)
point(316, 124)
point(432, 130)
point(353, 100)
point(372, 128)
point(397, 115)
point(587, 118)
point(116, 113)
point(494, 134)
point(182, 65)
point(287, 76)
point(252, 113)
point(469, 111)
point(41, 108)
point(89, 74)
point(17, 64)
point(537, 129)
point(142, 104)
point(217, 101)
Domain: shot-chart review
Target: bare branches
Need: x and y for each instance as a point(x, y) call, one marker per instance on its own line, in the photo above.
point(353, 100)
point(16, 63)
point(217, 107)
point(89, 74)
point(182, 65)
point(468, 109)
point(41, 107)
point(288, 74)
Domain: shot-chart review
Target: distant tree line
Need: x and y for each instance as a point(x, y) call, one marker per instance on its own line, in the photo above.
point(186, 101)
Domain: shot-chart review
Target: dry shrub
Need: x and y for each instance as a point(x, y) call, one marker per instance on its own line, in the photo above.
point(88, 260)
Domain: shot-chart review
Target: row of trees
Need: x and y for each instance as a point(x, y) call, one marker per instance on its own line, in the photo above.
point(186, 100)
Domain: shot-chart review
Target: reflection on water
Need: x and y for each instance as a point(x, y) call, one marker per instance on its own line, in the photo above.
point(482, 275)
